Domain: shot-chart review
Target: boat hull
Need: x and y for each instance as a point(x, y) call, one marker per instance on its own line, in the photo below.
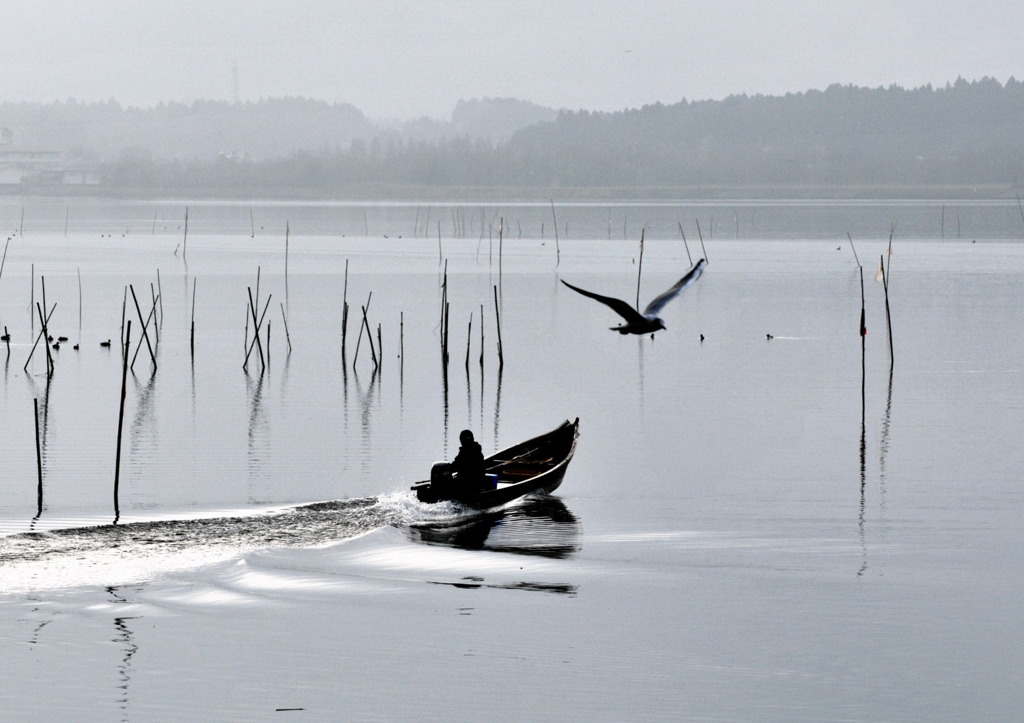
point(536, 466)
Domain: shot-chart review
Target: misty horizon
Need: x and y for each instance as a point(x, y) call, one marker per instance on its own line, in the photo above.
point(401, 61)
point(461, 101)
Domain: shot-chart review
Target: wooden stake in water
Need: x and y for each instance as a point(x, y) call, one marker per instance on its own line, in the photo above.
point(192, 329)
point(683, 234)
point(287, 336)
point(888, 317)
point(184, 247)
point(497, 323)
point(41, 336)
point(639, 268)
point(160, 297)
point(703, 250)
point(120, 422)
point(380, 348)
point(856, 258)
point(359, 339)
point(39, 456)
point(558, 250)
point(152, 354)
point(4, 260)
point(344, 314)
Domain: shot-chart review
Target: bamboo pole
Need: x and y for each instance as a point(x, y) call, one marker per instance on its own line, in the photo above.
point(120, 422)
point(469, 337)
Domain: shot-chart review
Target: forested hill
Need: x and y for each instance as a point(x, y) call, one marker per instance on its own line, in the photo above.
point(963, 134)
point(201, 130)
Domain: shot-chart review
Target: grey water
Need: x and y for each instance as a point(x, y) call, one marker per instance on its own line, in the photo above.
point(768, 515)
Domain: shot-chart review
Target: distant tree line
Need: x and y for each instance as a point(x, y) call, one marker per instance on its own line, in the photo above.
point(961, 134)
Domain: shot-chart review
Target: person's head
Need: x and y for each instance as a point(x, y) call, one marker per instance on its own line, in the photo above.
point(465, 436)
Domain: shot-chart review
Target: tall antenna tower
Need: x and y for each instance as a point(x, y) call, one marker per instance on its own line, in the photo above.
point(234, 81)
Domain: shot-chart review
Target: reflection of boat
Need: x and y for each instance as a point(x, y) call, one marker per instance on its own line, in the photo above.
point(534, 466)
point(540, 525)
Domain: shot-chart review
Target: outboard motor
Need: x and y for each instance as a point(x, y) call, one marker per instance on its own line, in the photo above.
point(441, 475)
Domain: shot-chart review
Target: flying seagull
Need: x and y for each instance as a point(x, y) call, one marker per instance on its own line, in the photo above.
point(648, 322)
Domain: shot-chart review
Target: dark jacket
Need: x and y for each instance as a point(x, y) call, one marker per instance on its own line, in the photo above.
point(468, 466)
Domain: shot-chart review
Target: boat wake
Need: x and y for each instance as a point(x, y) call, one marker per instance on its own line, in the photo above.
point(138, 552)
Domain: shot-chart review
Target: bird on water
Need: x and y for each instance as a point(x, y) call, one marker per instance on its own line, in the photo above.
point(647, 322)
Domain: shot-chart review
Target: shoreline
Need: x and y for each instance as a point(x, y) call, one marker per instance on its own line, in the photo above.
point(420, 193)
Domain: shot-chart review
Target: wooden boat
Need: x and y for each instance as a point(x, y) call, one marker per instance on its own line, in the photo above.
point(535, 466)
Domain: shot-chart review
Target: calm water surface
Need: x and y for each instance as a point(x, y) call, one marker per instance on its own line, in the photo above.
point(753, 528)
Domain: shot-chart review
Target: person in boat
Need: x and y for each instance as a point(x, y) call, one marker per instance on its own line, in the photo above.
point(468, 465)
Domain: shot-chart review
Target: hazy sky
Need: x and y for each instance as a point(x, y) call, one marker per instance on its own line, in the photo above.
point(406, 58)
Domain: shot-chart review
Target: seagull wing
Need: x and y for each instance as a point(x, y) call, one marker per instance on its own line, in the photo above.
point(619, 306)
point(691, 277)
